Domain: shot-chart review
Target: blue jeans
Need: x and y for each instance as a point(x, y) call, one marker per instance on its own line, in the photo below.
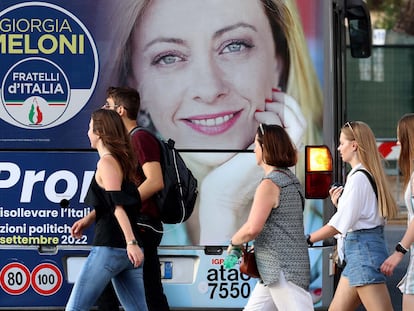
point(103, 265)
point(365, 251)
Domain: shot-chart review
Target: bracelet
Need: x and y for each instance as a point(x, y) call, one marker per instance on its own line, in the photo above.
point(234, 245)
point(308, 237)
point(132, 242)
point(401, 249)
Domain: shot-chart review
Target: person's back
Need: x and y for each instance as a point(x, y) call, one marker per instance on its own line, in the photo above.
point(280, 245)
point(275, 224)
point(116, 202)
point(126, 101)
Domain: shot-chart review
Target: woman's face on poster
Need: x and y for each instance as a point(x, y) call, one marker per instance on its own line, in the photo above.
point(203, 68)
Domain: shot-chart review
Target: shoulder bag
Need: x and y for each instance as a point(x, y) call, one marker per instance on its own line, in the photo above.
point(248, 264)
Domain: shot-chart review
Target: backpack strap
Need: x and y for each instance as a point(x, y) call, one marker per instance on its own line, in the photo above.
point(139, 128)
point(132, 132)
point(371, 180)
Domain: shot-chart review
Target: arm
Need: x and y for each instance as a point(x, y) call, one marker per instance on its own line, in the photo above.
point(266, 197)
point(352, 203)
point(148, 151)
point(153, 182)
point(323, 233)
point(393, 260)
point(408, 237)
point(77, 228)
point(335, 192)
point(135, 254)
point(227, 191)
point(110, 176)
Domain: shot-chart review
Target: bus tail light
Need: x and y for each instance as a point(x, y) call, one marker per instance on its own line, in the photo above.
point(318, 172)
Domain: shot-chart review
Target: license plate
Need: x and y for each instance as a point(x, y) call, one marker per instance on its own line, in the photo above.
point(166, 270)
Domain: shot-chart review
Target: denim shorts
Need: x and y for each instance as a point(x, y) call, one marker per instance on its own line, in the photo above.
point(365, 251)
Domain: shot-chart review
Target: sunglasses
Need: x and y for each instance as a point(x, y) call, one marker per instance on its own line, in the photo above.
point(348, 124)
point(108, 106)
point(261, 127)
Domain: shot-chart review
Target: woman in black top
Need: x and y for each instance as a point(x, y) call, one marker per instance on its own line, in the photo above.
point(116, 254)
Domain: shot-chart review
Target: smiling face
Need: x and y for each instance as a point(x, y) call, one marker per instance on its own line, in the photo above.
point(203, 71)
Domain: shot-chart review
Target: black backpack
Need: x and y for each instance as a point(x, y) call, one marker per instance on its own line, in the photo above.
point(176, 201)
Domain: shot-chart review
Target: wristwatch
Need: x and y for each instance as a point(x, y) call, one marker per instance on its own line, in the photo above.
point(308, 237)
point(132, 242)
point(400, 248)
point(234, 245)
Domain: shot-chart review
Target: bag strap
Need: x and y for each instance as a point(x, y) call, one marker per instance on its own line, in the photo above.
point(371, 180)
point(246, 249)
point(140, 128)
point(132, 132)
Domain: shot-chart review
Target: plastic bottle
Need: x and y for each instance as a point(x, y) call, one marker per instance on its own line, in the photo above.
point(232, 258)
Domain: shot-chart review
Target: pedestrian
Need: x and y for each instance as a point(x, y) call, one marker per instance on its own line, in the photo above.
point(363, 205)
point(405, 135)
point(275, 223)
point(126, 102)
point(116, 254)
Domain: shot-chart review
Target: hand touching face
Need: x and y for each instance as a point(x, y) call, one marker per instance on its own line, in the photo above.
point(203, 71)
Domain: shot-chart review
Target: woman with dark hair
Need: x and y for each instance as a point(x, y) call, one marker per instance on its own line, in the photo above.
point(116, 254)
point(275, 223)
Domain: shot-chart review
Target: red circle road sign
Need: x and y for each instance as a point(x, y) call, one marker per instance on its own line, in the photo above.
point(15, 278)
point(46, 279)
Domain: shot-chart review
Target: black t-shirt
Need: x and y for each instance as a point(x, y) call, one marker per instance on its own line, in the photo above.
point(108, 232)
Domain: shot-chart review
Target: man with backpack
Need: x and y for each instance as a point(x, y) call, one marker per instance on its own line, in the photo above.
point(126, 102)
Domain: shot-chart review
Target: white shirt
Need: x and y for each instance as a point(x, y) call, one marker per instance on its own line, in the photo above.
point(357, 206)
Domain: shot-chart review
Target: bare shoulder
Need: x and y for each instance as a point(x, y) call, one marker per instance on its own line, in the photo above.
point(109, 173)
point(267, 185)
point(267, 194)
point(106, 162)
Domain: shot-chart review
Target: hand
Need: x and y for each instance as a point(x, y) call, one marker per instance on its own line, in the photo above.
point(135, 255)
point(335, 192)
point(283, 110)
point(77, 228)
point(231, 247)
point(391, 262)
point(226, 195)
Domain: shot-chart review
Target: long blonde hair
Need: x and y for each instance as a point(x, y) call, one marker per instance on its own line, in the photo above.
point(299, 81)
point(371, 159)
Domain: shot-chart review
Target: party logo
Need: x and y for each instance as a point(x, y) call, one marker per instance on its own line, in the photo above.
point(49, 65)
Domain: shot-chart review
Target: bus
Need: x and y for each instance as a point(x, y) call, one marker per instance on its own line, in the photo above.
point(218, 68)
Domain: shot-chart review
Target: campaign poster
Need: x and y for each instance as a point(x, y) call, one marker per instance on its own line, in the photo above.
point(208, 72)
